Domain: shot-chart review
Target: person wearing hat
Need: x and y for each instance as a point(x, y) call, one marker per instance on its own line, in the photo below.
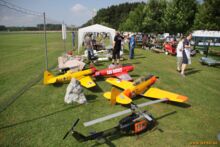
point(132, 46)
point(116, 48)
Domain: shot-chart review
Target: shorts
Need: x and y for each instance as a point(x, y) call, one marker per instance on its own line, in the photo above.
point(185, 59)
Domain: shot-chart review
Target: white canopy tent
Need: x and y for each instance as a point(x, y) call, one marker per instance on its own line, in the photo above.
point(201, 37)
point(204, 33)
point(96, 28)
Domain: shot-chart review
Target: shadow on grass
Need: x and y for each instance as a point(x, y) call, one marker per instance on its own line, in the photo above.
point(41, 117)
point(165, 115)
point(132, 63)
point(58, 84)
point(135, 62)
point(100, 64)
point(96, 89)
point(135, 76)
point(106, 141)
point(91, 97)
point(189, 69)
point(100, 78)
point(192, 71)
point(140, 57)
point(183, 105)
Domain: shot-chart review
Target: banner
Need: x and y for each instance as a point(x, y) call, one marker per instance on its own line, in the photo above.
point(63, 31)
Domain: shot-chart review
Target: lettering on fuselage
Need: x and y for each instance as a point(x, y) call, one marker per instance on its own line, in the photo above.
point(113, 71)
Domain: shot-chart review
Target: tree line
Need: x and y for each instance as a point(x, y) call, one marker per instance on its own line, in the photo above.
point(39, 27)
point(155, 16)
point(114, 15)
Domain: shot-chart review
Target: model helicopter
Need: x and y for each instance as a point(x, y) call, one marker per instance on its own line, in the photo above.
point(135, 123)
point(82, 76)
point(119, 72)
point(141, 86)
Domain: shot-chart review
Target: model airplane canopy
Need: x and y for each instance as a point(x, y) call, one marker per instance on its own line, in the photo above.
point(141, 86)
point(82, 76)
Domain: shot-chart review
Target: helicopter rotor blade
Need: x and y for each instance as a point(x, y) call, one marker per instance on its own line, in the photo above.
point(152, 102)
point(86, 124)
point(71, 129)
point(76, 122)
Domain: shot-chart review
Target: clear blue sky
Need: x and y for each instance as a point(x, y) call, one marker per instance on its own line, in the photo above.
point(72, 12)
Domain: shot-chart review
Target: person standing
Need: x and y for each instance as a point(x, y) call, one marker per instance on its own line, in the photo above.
point(116, 48)
point(89, 47)
point(132, 46)
point(186, 53)
point(144, 40)
point(179, 54)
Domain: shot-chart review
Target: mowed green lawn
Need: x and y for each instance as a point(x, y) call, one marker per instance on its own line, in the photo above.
point(39, 117)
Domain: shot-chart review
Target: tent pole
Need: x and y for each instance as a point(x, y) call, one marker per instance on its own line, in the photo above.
point(45, 42)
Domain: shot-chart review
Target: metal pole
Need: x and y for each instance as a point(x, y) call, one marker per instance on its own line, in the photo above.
point(64, 45)
point(45, 42)
point(64, 36)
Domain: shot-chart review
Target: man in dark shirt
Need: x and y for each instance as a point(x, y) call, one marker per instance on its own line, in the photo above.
point(116, 48)
point(186, 53)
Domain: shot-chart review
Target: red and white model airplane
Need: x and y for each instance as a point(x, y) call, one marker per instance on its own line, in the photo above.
point(119, 72)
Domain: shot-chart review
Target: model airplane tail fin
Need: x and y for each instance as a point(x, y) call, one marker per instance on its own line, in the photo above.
point(116, 96)
point(47, 77)
point(111, 95)
point(114, 93)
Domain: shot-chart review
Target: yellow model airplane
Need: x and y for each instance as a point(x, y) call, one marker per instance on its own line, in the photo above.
point(84, 80)
point(141, 86)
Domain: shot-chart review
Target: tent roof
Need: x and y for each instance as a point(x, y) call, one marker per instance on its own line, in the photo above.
point(96, 28)
point(203, 33)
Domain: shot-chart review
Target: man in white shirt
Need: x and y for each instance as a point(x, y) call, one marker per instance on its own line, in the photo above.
point(179, 54)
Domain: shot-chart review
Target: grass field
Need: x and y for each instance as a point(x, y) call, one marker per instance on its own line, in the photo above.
point(39, 116)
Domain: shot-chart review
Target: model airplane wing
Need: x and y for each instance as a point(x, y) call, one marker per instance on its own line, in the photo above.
point(160, 94)
point(86, 81)
point(123, 76)
point(120, 83)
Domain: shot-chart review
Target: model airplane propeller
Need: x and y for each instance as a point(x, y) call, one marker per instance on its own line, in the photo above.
point(135, 123)
point(141, 86)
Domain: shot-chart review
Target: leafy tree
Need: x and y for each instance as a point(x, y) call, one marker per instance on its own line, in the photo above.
point(134, 21)
point(152, 21)
point(208, 16)
point(114, 15)
point(179, 15)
